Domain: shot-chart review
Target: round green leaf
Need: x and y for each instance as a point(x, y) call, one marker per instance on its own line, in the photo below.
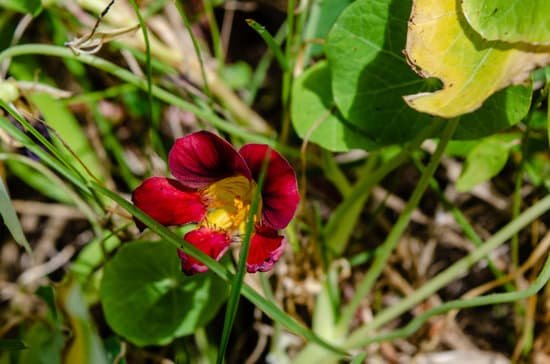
point(510, 20)
point(485, 161)
point(148, 300)
point(315, 116)
point(500, 111)
point(369, 73)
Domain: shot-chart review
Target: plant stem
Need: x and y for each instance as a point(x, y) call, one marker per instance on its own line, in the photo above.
point(360, 336)
point(287, 75)
point(398, 229)
point(154, 136)
point(161, 94)
point(343, 220)
point(237, 284)
point(490, 299)
point(464, 224)
point(214, 32)
point(196, 47)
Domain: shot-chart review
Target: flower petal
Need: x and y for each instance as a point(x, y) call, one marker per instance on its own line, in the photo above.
point(168, 202)
point(201, 158)
point(280, 195)
point(266, 247)
point(212, 242)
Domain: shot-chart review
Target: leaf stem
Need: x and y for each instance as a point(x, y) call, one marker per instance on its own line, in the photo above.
point(398, 229)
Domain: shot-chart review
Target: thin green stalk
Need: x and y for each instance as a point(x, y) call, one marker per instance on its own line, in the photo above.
point(107, 93)
point(490, 299)
point(287, 75)
point(161, 94)
point(268, 307)
point(516, 200)
point(214, 32)
point(41, 139)
point(271, 43)
point(398, 229)
point(263, 66)
point(81, 204)
point(360, 336)
point(197, 48)
point(55, 159)
point(156, 140)
point(233, 302)
point(334, 174)
point(113, 145)
point(342, 221)
point(464, 224)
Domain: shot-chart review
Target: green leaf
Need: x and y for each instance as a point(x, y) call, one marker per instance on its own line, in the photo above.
point(147, 299)
point(323, 15)
point(509, 20)
point(65, 124)
point(11, 345)
point(369, 73)
point(485, 161)
point(32, 7)
point(9, 216)
point(500, 111)
point(38, 181)
point(237, 75)
point(315, 116)
point(45, 345)
point(441, 44)
point(92, 256)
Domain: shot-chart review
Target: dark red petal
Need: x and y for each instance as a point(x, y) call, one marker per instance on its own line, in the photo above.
point(169, 202)
point(266, 247)
point(201, 158)
point(280, 195)
point(211, 242)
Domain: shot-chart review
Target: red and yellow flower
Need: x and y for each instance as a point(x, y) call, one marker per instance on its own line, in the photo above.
point(213, 187)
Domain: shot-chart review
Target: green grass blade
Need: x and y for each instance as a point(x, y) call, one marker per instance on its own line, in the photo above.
point(52, 179)
point(490, 299)
point(154, 135)
point(448, 275)
point(271, 43)
point(385, 250)
point(214, 31)
point(11, 345)
point(344, 218)
point(7, 211)
point(233, 302)
point(159, 93)
point(197, 48)
point(268, 307)
point(35, 133)
point(24, 139)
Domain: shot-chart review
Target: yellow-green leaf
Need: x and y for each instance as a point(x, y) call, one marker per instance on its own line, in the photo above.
point(440, 43)
point(510, 20)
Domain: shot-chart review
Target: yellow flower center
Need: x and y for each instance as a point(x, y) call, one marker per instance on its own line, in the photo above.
point(229, 203)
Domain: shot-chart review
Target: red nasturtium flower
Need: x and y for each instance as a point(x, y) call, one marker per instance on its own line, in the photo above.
point(214, 188)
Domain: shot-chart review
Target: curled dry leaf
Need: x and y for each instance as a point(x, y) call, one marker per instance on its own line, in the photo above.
point(440, 43)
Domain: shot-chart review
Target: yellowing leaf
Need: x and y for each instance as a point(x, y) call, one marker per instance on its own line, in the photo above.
point(441, 44)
